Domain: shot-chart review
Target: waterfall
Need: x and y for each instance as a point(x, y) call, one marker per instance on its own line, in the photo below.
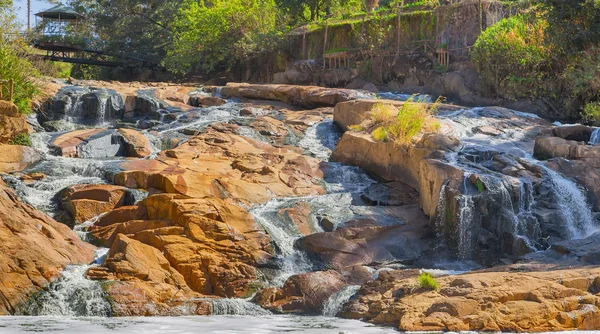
point(595, 138)
point(72, 294)
point(236, 306)
point(336, 302)
point(573, 205)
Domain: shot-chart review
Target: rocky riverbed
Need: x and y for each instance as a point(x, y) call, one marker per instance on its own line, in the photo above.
point(260, 200)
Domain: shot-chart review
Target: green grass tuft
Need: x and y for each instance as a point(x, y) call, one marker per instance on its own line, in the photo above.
point(427, 281)
point(21, 139)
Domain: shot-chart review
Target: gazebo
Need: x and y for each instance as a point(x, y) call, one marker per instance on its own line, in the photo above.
point(58, 30)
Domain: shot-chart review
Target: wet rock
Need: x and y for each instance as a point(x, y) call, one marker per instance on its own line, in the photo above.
point(300, 216)
point(206, 101)
point(303, 293)
point(555, 147)
point(84, 105)
point(580, 133)
point(392, 193)
point(486, 301)
point(33, 251)
point(367, 245)
point(15, 158)
point(136, 144)
point(31, 177)
point(102, 143)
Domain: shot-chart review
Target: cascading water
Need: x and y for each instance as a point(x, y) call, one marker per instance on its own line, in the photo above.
point(231, 306)
point(573, 205)
point(335, 303)
point(595, 138)
point(503, 204)
point(72, 295)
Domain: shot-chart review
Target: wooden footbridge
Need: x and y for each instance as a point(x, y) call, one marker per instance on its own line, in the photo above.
point(58, 34)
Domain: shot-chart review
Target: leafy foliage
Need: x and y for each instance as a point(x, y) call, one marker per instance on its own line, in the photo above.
point(575, 24)
point(591, 113)
point(512, 57)
point(427, 281)
point(581, 78)
point(214, 36)
point(13, 62)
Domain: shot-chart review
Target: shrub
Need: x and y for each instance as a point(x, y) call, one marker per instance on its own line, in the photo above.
point(427, 281)
point(581, 79)
point(513, 58)
point(591, 113)
point(381, 113)
point(21, 139)
point(412, 119)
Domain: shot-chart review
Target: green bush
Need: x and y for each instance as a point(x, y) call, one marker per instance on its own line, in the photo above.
point(512, 57)
point(21, 139)
point(591, 113)
point(427, 281)
point(581, 79)
point(403, 125)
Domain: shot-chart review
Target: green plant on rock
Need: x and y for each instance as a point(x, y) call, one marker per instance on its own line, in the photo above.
point(427, 281)
point(403, 125)
point(21, 139)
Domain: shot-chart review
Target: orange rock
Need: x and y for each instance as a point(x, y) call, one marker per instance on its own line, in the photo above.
point(482, 301)
point(33, 250)
point(138, 146)
point(15, 158)
point(200, 247)
point(226, 166)
point(85, 202)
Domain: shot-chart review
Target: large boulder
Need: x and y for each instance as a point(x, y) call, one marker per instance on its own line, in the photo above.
point(14, 158)
point(226, 166)
point(302, 293)
point(85, 202)
point(176, 248)
point(33, 251)
point(574, 132)
point(486, 301)
point(102, 143)
point(347, 247)
point(136, 144)
point(304, 96)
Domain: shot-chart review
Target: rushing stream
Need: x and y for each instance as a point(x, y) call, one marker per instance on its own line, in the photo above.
point(513, 199)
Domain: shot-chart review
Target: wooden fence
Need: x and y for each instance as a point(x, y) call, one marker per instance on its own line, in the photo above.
point(7, 89)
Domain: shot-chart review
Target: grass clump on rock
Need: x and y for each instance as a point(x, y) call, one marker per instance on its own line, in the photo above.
point(21, 139)
point(427, 281)
point(401, 126)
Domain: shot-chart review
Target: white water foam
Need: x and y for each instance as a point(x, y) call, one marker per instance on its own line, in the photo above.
point(336, 302)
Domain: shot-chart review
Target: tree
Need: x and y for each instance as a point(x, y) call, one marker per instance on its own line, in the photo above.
point(214, 36)
point(140, 29)
point(574, 24)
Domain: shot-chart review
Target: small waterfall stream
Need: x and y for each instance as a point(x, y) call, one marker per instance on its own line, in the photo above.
point(72, 295)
